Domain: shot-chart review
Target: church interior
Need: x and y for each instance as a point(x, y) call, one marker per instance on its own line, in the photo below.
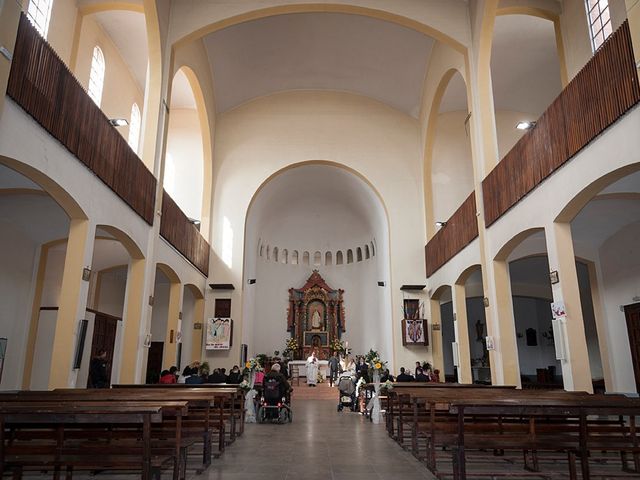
point(301, 189)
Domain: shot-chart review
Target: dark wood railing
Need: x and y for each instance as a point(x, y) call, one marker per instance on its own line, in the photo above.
point(45, 88)
point(461, 229)
point(600, 93)
point(182, 234)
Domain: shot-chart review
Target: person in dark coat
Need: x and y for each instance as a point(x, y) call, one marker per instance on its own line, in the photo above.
point(421, 377)
point(98, 377)
point(334, 366)
point(235, 375)
point(217, 377)
point(404, 377)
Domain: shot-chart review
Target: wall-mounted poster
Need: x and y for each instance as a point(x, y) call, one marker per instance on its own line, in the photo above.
point(414, 333)
point(219, 334)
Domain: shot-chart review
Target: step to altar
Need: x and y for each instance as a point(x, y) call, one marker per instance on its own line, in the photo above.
point(320, 392)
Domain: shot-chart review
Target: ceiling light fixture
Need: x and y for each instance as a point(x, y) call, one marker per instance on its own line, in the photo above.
point(526, 125)
point(441, 224)
point(118, 122)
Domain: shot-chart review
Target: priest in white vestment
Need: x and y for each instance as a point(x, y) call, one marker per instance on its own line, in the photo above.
point(312, 369)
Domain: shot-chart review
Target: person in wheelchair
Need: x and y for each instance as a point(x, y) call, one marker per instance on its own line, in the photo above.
point(276, 391)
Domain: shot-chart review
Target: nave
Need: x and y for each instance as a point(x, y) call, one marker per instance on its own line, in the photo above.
point(319, 444)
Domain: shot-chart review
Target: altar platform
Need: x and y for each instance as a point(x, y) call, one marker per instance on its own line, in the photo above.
point(323, 367)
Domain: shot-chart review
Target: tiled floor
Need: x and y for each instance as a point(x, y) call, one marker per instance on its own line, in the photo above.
point(320, 444)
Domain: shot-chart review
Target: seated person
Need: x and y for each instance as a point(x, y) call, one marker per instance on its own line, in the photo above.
point(420, 376)
point(235, 375)
point(274, 374)
point(386, 376)
point(193, 378)
point(167, 378)
point(217, 377)
point(404, 377)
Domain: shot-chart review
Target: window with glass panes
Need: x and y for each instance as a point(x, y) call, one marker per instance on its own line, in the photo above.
point(39, 12)
point(599, 17)
point(96, 77)
point(134, 127)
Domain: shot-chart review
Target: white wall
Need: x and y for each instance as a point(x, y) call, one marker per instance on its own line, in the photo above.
point(184, 170)
point(619, 267)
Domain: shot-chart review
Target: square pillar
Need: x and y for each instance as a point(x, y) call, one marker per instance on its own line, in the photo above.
point(437, 352)
point(458, 297)
point(135, 302)
point(576, 372)
point(170, 342)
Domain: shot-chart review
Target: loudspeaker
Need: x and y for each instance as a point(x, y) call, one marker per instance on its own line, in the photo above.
point(251, 281)
point(381, 284)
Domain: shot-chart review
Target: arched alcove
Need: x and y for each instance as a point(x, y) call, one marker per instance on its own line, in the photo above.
point(184, 159)
point(327, 209)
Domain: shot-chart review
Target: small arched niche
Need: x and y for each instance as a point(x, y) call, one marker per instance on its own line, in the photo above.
point(339, 257)
point(327, 258)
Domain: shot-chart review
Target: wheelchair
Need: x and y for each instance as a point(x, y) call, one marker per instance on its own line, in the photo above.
point(273, 406)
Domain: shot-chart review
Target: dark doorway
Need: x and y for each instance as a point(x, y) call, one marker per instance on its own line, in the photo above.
point(632, 313)
point(154, 362)
point(104, 337)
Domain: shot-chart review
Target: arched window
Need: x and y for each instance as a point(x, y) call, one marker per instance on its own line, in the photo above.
point(349, 256)
point(261, 250)
point(317, 259)
point(367, 256)
point(599, 21)
point(359, 254)
point(373, 250)
point(285, 256)
point(96, 77)
point(134, 128)
point(275, 254)
point(39, 12)
point(305, 258)
point(268, 253)
point(294, 257)
point(327, 258)
point(339, 258)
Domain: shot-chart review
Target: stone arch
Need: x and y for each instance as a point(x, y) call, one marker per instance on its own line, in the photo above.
point(129, 244)
point(169, 272)
point(516, 240)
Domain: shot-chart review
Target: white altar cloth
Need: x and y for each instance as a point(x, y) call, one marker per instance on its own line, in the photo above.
point(323, 367)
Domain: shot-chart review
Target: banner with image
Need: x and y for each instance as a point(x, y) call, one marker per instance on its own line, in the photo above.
point(219, 334)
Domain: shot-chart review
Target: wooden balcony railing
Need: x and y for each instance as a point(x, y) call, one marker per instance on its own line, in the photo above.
point(461, 229)
point(177, 229)
point(600, 93)
point(45, 88)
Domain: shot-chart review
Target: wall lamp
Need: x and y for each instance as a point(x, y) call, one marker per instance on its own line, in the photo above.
point(118, 122)
point(441, 224)
point(526, 125)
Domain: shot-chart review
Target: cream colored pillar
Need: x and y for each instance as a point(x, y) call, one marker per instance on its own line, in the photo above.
point(601, 327)
point(72, 303)
point(576, 372)
point(170, 344)
point(437, 353)
point(132, 315)
point(9, 17)
point(459, 300)
point(633, 15)
point(196, 342)
point(505, 366)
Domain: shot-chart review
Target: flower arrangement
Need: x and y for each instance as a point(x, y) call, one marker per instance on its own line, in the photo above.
point(244, 385)
point(290, 348)
point(388, 385)
point(253, 364)
point(374, 361)
point(337, 345)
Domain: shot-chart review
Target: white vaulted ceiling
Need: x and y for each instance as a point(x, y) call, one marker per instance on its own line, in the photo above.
point(319, 51)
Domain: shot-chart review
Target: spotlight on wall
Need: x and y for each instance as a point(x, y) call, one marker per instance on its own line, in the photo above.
point(251, 281)
point(525, 125)
point(195, 223)
point(118, 122)
point(381, 284)
point(441, 224)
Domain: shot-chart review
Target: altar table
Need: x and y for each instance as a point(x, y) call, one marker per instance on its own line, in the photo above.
point(323, 367)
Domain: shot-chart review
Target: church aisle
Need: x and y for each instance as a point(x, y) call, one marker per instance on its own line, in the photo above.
point(320, 444)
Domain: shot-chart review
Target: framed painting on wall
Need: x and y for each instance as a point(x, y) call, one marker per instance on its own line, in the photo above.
point(414, 332)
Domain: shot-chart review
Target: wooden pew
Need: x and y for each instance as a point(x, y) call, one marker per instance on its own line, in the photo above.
point(80, 435)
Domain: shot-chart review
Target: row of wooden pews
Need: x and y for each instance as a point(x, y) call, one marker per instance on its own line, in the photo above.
point(491, 431)
point(126, 429)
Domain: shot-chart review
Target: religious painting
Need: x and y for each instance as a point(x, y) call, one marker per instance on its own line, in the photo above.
point(316, 339)
point(414, 333)
point(219, 334)
point(315, 316)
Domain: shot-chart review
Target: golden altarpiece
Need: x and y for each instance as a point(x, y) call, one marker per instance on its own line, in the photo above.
point(315, 317)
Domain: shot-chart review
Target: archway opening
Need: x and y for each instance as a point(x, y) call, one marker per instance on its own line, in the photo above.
point(451, 165)
point(525, 73)
point(477, 328)
point(322, 211)
point(450, 352)
point(184, 161)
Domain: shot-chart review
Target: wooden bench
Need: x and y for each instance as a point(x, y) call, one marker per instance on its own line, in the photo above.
point(89, 436)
